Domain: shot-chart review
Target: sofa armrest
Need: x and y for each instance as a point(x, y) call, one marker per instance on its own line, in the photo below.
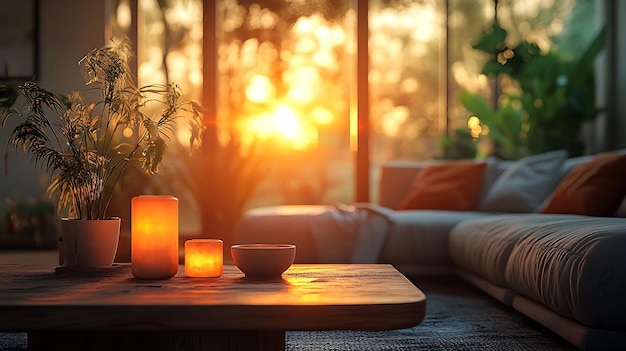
point(395, 181)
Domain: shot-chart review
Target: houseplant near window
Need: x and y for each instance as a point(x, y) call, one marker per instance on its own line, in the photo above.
point(86, 147)
point(552, 95)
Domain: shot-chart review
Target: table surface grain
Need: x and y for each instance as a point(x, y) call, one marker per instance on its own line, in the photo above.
point(307, 297)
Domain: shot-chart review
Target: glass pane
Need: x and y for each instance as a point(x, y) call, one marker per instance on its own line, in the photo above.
point(285, 71)
point(566, 23)
point(168, 50)
point(406, 80)
point(541, 80)
point(170, 33)
point(466, 21)
point(169, 43)
point(120, 18)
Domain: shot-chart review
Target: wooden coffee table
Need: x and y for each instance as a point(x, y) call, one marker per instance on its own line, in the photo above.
point(110, 310)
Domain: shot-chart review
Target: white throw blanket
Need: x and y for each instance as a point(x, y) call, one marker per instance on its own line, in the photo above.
point(350, 233)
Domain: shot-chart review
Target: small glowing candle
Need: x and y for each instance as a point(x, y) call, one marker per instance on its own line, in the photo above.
point(204, 257)
point(154, 236)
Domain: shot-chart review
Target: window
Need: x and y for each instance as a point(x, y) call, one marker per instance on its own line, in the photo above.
point(286, 70)
point(286, 76)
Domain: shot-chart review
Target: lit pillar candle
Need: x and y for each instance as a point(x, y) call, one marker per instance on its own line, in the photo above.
point(204, 257)
point(154, 236)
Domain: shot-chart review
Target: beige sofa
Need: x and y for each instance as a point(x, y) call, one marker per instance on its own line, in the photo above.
point(567, 271)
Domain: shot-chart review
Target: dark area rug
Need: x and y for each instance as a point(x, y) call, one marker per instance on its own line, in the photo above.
point(13, 341)
point(458, 317)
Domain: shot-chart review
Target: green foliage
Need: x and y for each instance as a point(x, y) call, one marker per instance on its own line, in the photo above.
point(505, 124)
point(459, 146)
point(552, 98)
point(79, 144)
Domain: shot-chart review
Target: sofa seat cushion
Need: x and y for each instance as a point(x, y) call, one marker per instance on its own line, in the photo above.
point(322, 234)
point(483, 246)
point(574, 266)
point(420, 237)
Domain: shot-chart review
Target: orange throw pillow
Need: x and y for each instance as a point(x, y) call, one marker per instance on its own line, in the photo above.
point(451, 186)
point(594, 188)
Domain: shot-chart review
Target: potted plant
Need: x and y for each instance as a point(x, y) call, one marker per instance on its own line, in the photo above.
point(86, 147)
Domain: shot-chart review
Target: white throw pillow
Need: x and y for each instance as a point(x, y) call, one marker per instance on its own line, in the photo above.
point(495, 168)
point(525, 184)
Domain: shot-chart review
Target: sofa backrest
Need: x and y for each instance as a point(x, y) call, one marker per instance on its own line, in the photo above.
point(396, 178)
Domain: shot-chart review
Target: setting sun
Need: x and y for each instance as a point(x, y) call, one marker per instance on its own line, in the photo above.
point(287, 122)
point(283, 123)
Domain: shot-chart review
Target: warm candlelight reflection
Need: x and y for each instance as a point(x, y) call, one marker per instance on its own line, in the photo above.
point(154, 236)
point(204, 257)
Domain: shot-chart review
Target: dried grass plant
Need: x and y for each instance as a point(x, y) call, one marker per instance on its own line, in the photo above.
point(81, 145)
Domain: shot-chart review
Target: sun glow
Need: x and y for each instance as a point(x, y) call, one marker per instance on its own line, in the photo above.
point(287, 123)
point(283, 123)
point(260, 89)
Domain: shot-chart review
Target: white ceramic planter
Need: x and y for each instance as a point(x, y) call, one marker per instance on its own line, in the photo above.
point(90, 242)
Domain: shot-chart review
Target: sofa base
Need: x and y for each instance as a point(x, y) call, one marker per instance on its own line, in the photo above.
point(577, 334)
point(501, 294)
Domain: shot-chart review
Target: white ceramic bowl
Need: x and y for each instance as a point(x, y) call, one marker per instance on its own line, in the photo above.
point(263, 260)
